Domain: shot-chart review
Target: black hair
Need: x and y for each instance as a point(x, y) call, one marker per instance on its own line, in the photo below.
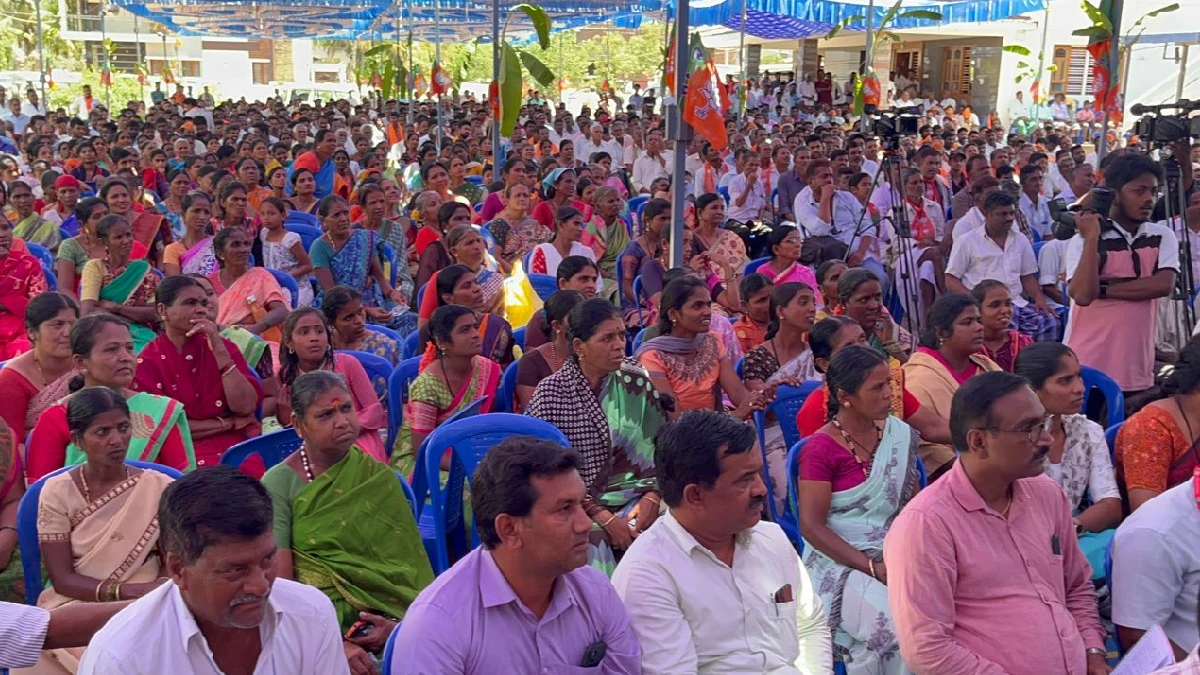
point(279, 204)
point(307, 388)
point(705, 199)
point(170, 288)
point(84, 208)
point(211, 507)
point(18, 185)
point(981, 290)
point(942, 314)
point(502, 485)
point(328, 203)
point(971, 407)
point(441, 322)
point(572, 265)
point(688, 450)
point(83, 339)
point(654, 208)
point(107, 223)
point(108, 186)
point(45, 306)
point(559, 305)
point(820, 337)
point(753, 283)
point(366, 189)
point(781, 297)
point(1185, 377)
point(88, 403)
point(227, 191)
point(851, 279)
point(997, 200)
point(1128, 166)
point(564, 214)
point(336, 299)
point(447, 279)
point(191, 198)
point(1039, 361)
point(587, 316)
point(847, 371)
point(824, 268)
point(777, 235)
point(289, 363)
point(446, 210)
point(674, 296)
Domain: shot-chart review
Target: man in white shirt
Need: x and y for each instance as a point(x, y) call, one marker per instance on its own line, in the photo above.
point(32, 106)
point(746, 196)
point(829, 218)
point(223, 610)
point(1079, 182)
point(999, 251)
point(1017, 111)
point(1156, 569)
point(15, 117)
point(973, 219)
point(652, 165)
point(1034, 204)
point(26, 630)
point(710, 588)
point(592, 143)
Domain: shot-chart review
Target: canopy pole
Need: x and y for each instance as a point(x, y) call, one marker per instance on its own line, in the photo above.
point(1182, 72)
point(104, 48)
point(1037, 100)
point(412, 70)
point(41, 53)
point(683, 59)
point(870, 60)
point(742, 84)
point(497, 160)
point(437, 59)
point(137, 36)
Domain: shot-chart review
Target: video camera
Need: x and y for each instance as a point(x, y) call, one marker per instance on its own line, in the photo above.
point(1064, 216)
point(891, 125)
point(1159, 129)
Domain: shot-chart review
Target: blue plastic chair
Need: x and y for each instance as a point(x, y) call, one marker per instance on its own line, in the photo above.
point(1094, 379)
point(724, 192)
point(27, 532)
point(544, 285)
point(42, 253)
point(506, 395)
point(288, 283)
point(51, 279)
point(409, 494)
point(519, 337)
point(411, 344)
point(636, 203)
point(787, 403)
point(378, 369)
point(389, 650)
point(740, 368)
point(468, 440)
point(1037, 236)
point(1037, 247)
point(638, 339)
point(305, 225)
point(389, 256)
point(398, 383)
point(388, 333)
point(753, 265)
point(1110, 437)
point(273, 448)
point(640, 295)
point(475, 180)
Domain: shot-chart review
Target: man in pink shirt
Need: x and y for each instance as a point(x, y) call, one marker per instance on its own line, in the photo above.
point(985, 575)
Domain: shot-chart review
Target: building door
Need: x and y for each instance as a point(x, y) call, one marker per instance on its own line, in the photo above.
point(956, 72)
point(904, 62)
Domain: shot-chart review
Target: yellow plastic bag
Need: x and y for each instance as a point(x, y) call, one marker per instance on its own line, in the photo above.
point(520, 300)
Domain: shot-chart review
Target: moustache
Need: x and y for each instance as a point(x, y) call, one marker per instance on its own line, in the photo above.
point(247, 599)
point(757, 503)
point(1041, 452)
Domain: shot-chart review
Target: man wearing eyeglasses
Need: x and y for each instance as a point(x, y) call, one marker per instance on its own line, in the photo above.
point(985, 574)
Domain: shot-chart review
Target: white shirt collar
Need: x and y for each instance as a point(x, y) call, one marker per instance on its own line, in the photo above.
point(189, 629)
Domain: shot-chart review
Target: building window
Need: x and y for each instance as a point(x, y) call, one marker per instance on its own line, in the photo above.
point(1072, 72)
point(260, 72)
point(956, 71)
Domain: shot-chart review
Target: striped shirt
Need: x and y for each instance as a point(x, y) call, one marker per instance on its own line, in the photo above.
point(22, 634)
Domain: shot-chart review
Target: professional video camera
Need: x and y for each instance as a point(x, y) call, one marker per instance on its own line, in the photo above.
point(1064, 216)
point(1159, 129)
point(891, 125)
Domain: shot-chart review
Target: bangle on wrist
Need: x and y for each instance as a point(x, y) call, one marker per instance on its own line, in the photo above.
point(608, 522)
point(871, 567)
point(7, 527)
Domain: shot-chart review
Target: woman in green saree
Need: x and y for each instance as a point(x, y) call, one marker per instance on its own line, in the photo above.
point(609, 411)
point(29, 224)
point(121, 286)
point(856, 473)
point(606, 235)
point(342, 521)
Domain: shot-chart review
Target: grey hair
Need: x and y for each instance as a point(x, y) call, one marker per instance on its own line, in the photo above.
point(307, 388)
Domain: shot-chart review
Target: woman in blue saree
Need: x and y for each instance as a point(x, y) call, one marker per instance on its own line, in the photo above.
point(345, 256)
point(856, 473)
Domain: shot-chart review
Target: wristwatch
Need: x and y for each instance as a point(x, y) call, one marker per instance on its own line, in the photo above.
point(1097, 651)
point(1103, 289)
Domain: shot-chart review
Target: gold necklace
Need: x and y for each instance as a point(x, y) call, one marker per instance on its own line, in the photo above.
point(87, 491)
point(851, 444)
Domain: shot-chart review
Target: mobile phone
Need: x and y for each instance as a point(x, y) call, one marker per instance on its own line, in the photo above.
point(360, 629)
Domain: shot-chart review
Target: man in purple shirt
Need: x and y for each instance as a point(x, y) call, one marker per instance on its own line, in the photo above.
point(526, 602)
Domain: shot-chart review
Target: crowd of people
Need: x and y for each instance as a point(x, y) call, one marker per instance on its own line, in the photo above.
point(177, 282)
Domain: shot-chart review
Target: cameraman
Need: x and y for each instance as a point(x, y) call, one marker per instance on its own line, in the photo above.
point(1116, 272)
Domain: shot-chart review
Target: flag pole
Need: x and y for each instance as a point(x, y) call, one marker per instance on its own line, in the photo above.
point(437, 59)
point(497, 160)
point(742, 84)
point(683, 58)
point(41, 54)
point(107, 65)
point(870, 57)
point(137, 37)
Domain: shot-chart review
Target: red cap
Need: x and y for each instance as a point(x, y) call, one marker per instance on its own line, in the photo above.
point(66, 181)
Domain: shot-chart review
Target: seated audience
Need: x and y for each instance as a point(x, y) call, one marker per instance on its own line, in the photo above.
point(1078, 459)
point(25, 630)
point(37, 379)
point(646, 247)
point(606, 232)
point(856, 473)
point(28, 224)
point(453, 375)
point(436, 218)
point(784, 265)
point(21, 278)
point(1156, 447)
point(829, 273)
point(751, 328)
point(256, 352)
point(784, 355)
point(948, 357)
point(526, 598)
point(75, 252)
point(458, 285)
point(347, 318)
point(687, 581)
point(575, 273)
point(194, 365)
point(610, 413)
point(724, 251)
point(12, 489)
point(546, 359)
point(688, 364)
point(223, 610)
point(248, 296)
point(513, 231)
point(97, 525)
point(379, 562)
point(984, 571)
point(283, 250)
point(860, 297)
point(998, 251)
point(568, 227)
point(120, 285)
point(468, 248)
point(308, 347)
point(1001, 343)
point(100, 348)
point(193, 253)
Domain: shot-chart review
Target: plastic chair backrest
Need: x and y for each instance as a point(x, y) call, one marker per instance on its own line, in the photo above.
point(420, 485)
point(389, 255)
point(398, 383)
point(273, 448)
point(1037, 247)
point(288, 283)
point(408, 494)
point(519, 337)
point(506, 395)
point(305, 225)
point(740, 368)
point(791, 506)
point(389, 651)
point(1037, 237)
point(42, 253)
point(1110, 437)
point(51, 278)
point(724, 192)
point(525, 261)
point(639, 294)
point(638, 339)
point(388, 333)
point(753, 265)
point(378, 369)
point(636, 203)
point(411, 344)
point(1109, 389)
point(469, 440)
point(27, 534)
point(475, 180)
point(895, 307)
point(787, 403)
point(544, 285)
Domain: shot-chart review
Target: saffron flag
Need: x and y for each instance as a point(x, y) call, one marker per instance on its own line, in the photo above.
point(1106, 77)
point(442, 83)
point(106, 76)
point(669, 66)
point(703, 107)
point(419, 85)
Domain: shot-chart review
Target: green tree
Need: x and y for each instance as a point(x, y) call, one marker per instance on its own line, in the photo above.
point(18, 36)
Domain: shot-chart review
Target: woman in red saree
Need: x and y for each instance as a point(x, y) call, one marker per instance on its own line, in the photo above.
point(193, 364)
point(37, 379)
point(21, 278)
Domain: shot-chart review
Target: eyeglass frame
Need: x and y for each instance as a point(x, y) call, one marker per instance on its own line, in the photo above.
point(1034, 433)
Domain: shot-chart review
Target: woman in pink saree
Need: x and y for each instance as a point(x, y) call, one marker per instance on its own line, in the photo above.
point(249, 296)
point(193, 254)
point(784, 265)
